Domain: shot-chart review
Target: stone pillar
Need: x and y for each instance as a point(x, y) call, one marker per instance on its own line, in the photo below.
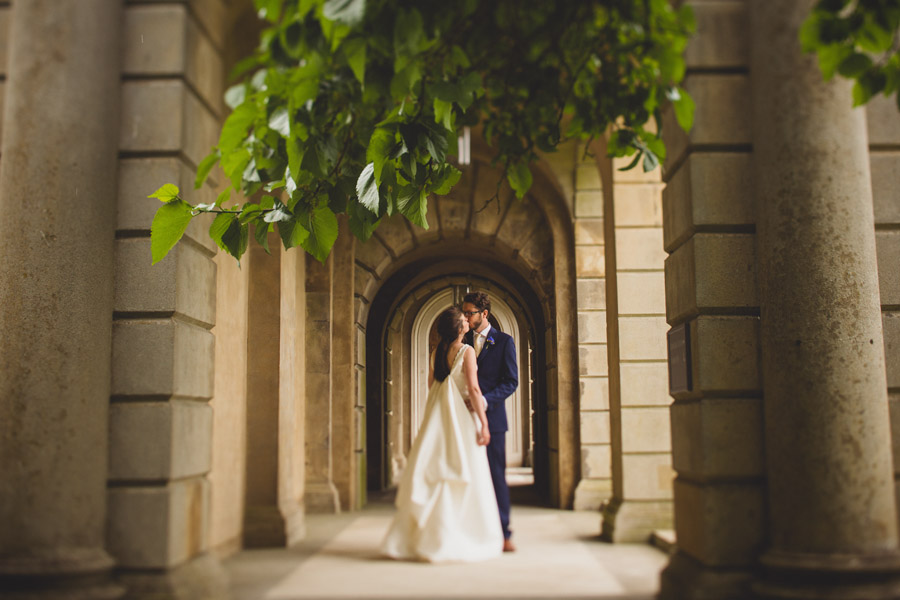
point(343, 384)
point(833, 518)
point(321, 493)
point(639, 418)
point(712, 308)
point(263, 522)
point(884, 138)
point(595, 486)
point(57, 197)
point(292, 394)
point(161, 423)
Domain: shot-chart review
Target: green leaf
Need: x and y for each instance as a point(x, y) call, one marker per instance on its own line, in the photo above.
point(651, 161)
point(355, 53)
point(684, 110)
point(519, 177)
point(235, 239)
point(168, 226)
point(166, 193)
point(379, 149)
point(219, 226)
point(261, 233)
point(830, 58)
point(361, 223)
point(323, 231)
point(809, 33)
point(205, 167)
point(234, 131)
point(408, 31)
point(280, 122)
point(278, 214)
point(413, 204)
point(234, 164)
point(235, 95)
point(292, 233)
point(349, 12)
point(854, 65)
point(250, 211)
point(367, 188)
point(869, 84)
point(224, 196)
point(435, 143)
point(633, 163)
point(449, 177)
point(443, 113)
point(470, 85)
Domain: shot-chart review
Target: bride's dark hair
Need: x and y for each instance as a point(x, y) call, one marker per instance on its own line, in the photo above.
point(449, 324)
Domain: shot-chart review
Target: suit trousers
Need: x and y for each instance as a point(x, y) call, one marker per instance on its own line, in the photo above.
point(496, 453)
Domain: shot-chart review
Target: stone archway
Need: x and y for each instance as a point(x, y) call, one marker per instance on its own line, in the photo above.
point(528, 245)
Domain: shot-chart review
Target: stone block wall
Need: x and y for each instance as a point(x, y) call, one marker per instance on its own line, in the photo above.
point(595, 486)
point(229, 404)
point(639, 420)
point(884, 153)
point(711, 292)
point(163, 349)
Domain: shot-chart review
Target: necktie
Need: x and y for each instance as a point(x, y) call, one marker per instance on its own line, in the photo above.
point(479, 343)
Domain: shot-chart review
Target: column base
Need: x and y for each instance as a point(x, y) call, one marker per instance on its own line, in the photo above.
point(634, 521)
point(845, 577)
point(295, 525)
point(590, 494)
point(686, 578)
point(264, 527)
point(69, 574)
point(322, 498)
point(203, 578)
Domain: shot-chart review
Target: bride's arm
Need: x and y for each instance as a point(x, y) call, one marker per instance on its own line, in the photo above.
point(476, 400)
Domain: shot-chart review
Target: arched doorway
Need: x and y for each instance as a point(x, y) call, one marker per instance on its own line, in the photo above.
point(524, 248)
point(502, 317)
point(397, 355)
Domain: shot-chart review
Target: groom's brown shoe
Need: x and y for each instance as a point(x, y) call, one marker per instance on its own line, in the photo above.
point(508, 546)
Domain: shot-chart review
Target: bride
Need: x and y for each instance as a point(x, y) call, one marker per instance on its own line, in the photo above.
point(446, 508)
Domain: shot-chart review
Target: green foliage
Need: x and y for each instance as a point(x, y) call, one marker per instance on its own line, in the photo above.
point(859, 40)
point(169, 223)
point(353, 106)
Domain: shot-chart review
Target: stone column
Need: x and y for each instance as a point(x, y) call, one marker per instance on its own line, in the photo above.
point(321, 493)
point(641, 501)
point(712, 307)
point(163, 367)
point(344, 387)
point(832, 514)
point(884, 138)
point(263, 522)
point(292, 394)
point(595, 486)
point(58, 198)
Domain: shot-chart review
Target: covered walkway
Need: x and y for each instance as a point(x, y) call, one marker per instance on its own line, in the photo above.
point(559, 556)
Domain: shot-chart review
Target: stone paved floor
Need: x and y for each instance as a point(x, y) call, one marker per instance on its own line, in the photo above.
point(558, 557)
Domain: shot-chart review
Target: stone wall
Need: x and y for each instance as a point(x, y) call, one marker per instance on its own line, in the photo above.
point(595, 486)
point(163, 349)
point(638, 399)
point(884, 149)
point(711, 293)
point(229, 404)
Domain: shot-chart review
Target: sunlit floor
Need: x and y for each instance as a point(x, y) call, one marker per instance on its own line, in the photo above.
point(558, 556)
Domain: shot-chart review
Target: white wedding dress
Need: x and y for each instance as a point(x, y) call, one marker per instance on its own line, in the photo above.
point(446, 507)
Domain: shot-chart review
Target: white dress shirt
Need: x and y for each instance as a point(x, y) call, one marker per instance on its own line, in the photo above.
point(479, 338)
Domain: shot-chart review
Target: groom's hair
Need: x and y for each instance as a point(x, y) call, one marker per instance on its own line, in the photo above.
point(479, 299)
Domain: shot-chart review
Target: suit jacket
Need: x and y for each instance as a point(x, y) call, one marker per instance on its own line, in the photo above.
point(498, 375)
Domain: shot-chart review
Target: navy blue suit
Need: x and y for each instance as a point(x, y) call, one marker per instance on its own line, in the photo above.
point(498, 378)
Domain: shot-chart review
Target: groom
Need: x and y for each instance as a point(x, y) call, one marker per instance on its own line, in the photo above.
point(498, 377)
